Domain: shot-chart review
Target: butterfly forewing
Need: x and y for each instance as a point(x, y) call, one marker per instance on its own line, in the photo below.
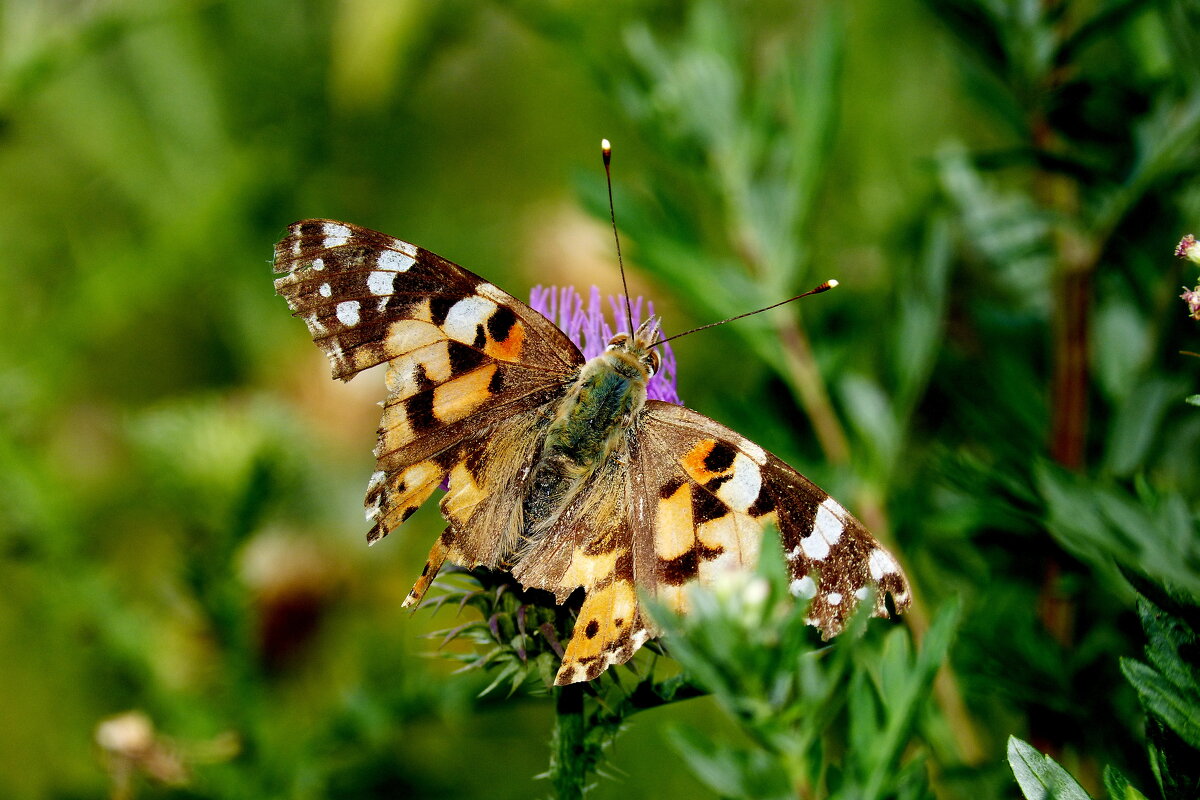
point(462, 355)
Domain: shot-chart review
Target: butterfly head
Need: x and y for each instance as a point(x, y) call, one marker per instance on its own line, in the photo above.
point(636, 350)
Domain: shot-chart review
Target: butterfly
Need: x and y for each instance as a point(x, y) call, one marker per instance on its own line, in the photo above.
point(559, 469)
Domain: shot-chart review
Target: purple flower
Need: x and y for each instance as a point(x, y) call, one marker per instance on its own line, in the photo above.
point(590, 330)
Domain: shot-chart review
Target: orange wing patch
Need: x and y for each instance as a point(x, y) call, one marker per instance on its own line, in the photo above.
point(701, 463)
point(458, 398)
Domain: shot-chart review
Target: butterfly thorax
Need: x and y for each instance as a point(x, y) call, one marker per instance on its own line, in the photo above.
point(589, 426)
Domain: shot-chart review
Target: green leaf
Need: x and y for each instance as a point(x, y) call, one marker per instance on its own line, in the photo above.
point(1137, 422)
point(728, 771)
point(1040, 777)
point(1118, 786)
point(1173, 705)
point(1169, 687)
point(1194, 400)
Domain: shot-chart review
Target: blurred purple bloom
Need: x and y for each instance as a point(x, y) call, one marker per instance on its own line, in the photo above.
point(588, 328)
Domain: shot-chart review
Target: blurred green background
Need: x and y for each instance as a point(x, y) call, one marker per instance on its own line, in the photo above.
point(997, 389)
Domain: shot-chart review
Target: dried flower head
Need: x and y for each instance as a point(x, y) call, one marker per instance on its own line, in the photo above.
point(1192, 298)
point(130, 745)
point(1189, 248)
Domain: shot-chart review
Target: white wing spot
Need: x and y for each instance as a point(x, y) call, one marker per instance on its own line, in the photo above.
point(492, 293)
point(406, 248)
point(335, 234)
point(380, 283)
point(376, 479)
point(827, 523)
point(741, 490)
point(325, 290)
point(861, 593)
point(794, 553)
point(347, 313)
point(754, 451)
point(815, 546)
point(396, 262)
point(881, 563)
point(317, 264)
point(804, 587)
point(834, 598)
point(465, 316)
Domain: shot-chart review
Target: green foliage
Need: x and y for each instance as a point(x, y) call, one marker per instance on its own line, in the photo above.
point(835, 722)
point(1169, 690)
point(1169, 686)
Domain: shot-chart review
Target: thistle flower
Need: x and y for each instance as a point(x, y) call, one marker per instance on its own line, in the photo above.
point(590, 330)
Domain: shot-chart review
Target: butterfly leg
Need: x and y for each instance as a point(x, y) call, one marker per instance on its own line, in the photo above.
point(437, 556)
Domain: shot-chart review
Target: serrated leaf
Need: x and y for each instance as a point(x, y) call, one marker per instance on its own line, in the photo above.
point(1040, 777)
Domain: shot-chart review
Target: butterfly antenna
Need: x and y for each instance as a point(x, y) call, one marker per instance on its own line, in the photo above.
point(606, 151)
point(824, 287)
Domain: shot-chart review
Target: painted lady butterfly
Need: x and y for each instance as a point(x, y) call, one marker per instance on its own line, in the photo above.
point(559, 469)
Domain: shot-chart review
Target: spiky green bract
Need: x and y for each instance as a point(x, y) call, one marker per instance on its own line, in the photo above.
point(517, 636)
point(837, 721)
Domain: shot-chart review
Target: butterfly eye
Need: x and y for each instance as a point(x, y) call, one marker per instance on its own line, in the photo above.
point(654, 362)
point(617, 341)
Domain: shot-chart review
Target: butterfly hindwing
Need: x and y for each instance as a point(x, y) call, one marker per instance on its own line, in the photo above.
point(592, 547)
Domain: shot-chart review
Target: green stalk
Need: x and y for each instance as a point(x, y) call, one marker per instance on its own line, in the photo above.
point(568, 762)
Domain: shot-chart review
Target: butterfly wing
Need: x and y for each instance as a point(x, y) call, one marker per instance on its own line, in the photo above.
point(697, 499)
point(723, 490)
point(462, 357)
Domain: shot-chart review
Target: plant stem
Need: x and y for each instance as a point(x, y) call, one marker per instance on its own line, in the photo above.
point(801, 373)
point(569, 765)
